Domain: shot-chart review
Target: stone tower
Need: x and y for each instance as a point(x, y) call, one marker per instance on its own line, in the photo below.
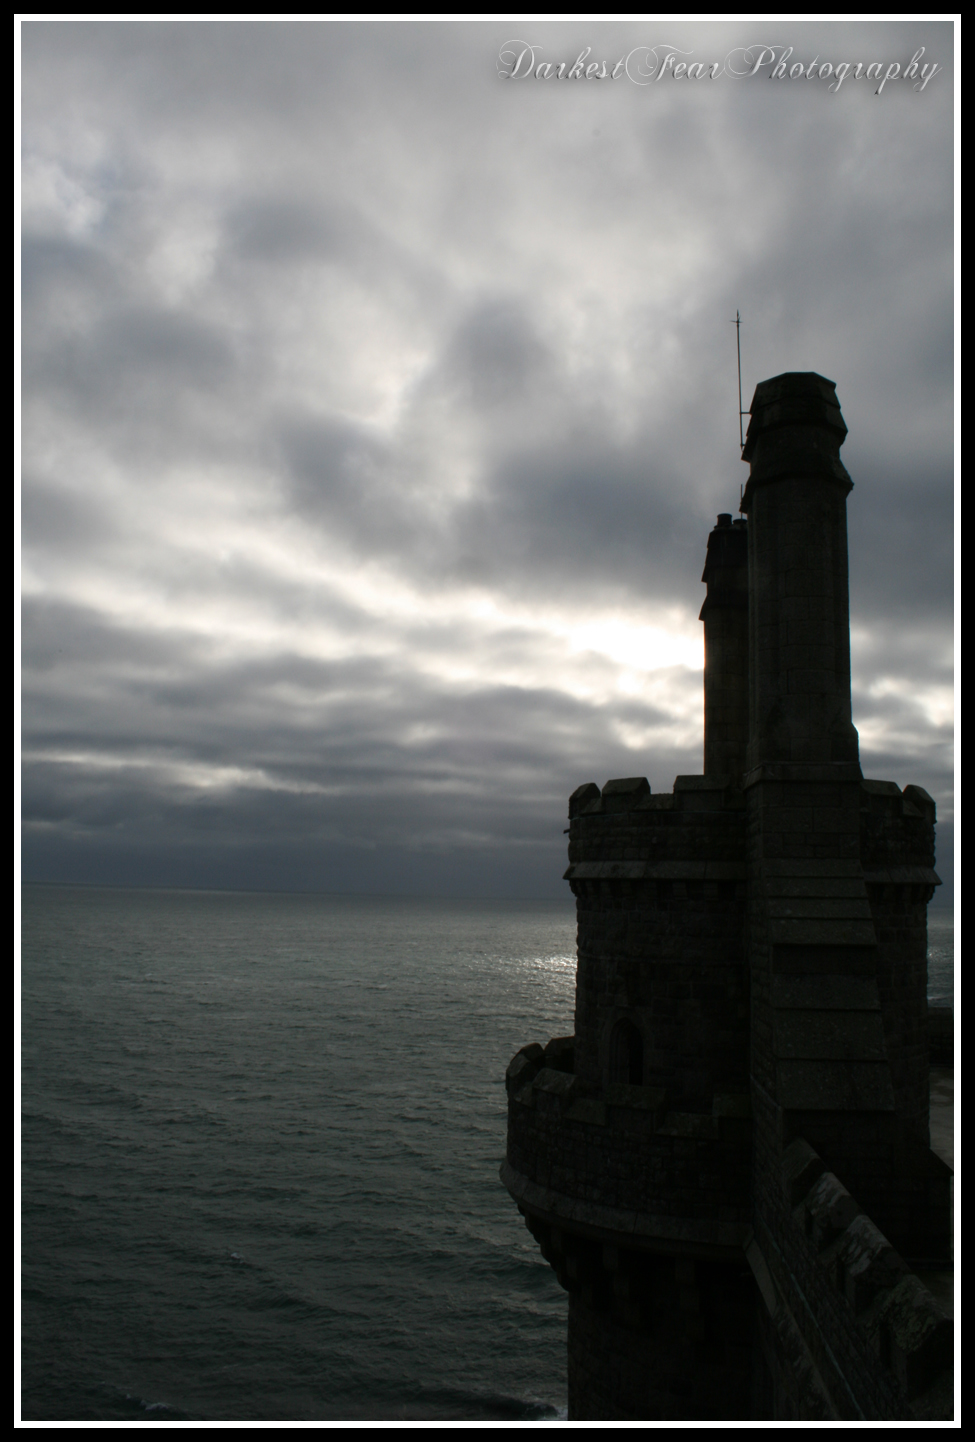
point(728, 1163)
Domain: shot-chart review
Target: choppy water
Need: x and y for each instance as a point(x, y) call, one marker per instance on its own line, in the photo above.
point(261, 1142)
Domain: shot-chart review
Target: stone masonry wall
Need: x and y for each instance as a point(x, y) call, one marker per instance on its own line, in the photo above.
point(659, 885)
point(621, 1160)
point(897, 853)
point(849, 1331)
point(689, 1359)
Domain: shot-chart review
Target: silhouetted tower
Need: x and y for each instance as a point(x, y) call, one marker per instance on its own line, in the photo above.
point(749, 1066)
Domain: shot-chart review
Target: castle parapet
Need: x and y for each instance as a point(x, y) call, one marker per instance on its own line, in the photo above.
point(850, 1332)
point(598, 1160)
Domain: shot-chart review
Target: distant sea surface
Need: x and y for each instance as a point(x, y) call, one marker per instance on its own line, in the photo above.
point(941, 958)
point(261, 1142)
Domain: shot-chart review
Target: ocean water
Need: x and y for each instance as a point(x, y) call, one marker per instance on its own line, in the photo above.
point(261, 1139)
point(941, 957)
point(261, 1143)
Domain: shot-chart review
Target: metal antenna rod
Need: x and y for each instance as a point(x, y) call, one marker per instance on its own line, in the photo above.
point(737, 325)
point(741, 437)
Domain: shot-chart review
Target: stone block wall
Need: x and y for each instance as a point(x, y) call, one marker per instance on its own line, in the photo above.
point(897, 853)
point(619, 1160)
point(659, 883)
point(688, 1358)
point(848, 1331)
point(725, 617)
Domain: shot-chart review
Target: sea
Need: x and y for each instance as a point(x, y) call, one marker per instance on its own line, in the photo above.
point(260, 1146)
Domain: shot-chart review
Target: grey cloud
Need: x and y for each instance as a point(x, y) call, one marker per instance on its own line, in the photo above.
point(494, 356)
point(562, 503)
point(284, 230)
point(374, 734)
point(56, 271)
point(578, 517)
point(901, 552)
point(61, 636)
point(55, 518)
point(486, 233)
point(351, 718)
point(138, 357)
point(342, 478)
point(568, 517)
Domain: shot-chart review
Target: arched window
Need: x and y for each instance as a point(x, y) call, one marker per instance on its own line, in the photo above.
point(626, 1053)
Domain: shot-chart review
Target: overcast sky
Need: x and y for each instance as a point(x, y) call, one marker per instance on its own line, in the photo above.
point(377, 408)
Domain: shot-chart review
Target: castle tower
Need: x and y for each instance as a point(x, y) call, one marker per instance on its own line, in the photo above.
point(749, 1065)
point(725, 617)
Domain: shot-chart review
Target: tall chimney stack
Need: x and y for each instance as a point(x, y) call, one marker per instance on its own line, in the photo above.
point(799, 592)
point(725, 617)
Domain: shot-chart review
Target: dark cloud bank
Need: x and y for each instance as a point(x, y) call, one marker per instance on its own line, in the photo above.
point(365, 394)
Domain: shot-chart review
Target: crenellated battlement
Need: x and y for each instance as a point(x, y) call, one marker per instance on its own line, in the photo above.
point(694, 834)
point(850, 1332)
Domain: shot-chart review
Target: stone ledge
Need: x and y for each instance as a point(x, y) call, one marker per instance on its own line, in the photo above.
point(816, 887)
point(555, 1083)
point(624, 793)
point(588, 1110)
point(523, 1067)
point(641, 1230)
point(902, 876)
point(702, 783)
point(656, 871)
point(880, 788)
point(789, 771)
point(825, 992)
point(801, 932)
point(828, 1035)
point(811, 867)
point(819, 908)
